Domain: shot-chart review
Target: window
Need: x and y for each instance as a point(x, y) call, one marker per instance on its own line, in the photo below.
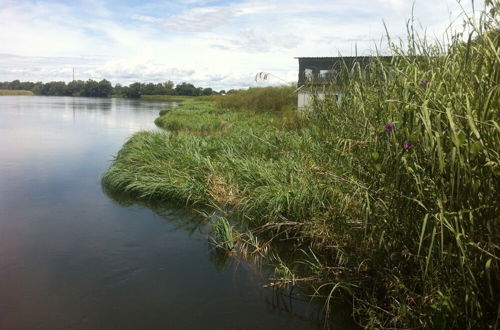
point(308, 74)
point(327, 74)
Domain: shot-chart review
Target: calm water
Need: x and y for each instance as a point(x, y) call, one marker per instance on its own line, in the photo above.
point(72, 257)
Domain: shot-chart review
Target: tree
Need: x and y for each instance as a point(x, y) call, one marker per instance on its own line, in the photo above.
point(134, 91)
point(91, 88)
point(207, 91)
point(27, 85)
point(169, 85)
point(104, 88)
point(15, 84)
point(148, 89)
point(119, 90)
point(76, 87)
point(186, 89)
point(56, 88)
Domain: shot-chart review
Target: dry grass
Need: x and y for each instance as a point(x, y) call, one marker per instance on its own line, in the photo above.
point(15, 92)
point(222, 192)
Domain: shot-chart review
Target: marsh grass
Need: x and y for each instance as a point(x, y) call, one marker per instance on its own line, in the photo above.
point(420, 136)
point(166, 98)
point(259, 99)
point(15, 92)
point(196, 116)
point(222, 234)
point(389, 196)
point(203, 118)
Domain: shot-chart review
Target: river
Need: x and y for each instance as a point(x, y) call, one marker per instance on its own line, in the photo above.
point(73, 257)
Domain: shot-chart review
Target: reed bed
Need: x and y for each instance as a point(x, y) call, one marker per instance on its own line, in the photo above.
point(419, 137)
point(166, 98)
point(260, 99)
point(389, 196)
point(15, 92)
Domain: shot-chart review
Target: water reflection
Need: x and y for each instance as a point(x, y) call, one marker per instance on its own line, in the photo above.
point(179, 218)
point(286, 301)
point(73, 258)
point(277, 300)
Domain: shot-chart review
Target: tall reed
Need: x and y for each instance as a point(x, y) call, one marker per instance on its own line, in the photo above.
point(420, 135)
point(262, 99)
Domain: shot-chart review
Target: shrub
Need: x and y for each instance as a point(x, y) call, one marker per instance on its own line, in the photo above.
point(262, 99)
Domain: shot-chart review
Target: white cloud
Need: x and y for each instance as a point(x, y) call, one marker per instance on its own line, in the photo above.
point(221, 46)
point(250, 41)
point(200, 19)
point(145, 18)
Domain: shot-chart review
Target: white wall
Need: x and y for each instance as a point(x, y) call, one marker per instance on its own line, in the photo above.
point(305, 99)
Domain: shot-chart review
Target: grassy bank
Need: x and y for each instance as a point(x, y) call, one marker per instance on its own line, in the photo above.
point(15, 92)
point(195, 117)
point(390, 196)
point(222, 147)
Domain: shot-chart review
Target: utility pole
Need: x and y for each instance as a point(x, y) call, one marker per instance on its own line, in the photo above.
point(73, 74)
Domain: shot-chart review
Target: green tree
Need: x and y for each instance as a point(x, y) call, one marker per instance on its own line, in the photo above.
point(37, 88)
point(76, 87)
point(16, 84)
point(134, 91)
point(169, 85)
point(104, 88)
point(91, 88)
point(186, 89)
point(56, 88)
point(207, 91)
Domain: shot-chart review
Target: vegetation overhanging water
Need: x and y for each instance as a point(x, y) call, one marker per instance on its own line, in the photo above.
point(389, 196)
point(70, 257)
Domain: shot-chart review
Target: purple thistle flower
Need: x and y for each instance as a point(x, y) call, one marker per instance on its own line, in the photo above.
point(389, 128)
point(424, 83)
point(408, 145)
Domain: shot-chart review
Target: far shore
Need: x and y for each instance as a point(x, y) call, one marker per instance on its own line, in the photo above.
point(15, 92)
point(163, 98)
point(166, 98)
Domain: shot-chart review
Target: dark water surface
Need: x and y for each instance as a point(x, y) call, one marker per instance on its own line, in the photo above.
point(71, 257)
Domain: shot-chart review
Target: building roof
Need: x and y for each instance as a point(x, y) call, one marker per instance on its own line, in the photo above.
point(323, 69)
point(338, 57)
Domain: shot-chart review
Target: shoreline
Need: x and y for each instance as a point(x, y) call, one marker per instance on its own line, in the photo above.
point(8, 92)
point(386, 197)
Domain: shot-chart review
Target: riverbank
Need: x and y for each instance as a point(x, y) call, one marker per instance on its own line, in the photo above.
point(389, 197)
point(201, 138)
point(166, 98)
point(15, 92)
point(147, 260)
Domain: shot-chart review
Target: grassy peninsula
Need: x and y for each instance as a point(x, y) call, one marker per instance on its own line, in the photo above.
point(389, 196)
point(15, 92)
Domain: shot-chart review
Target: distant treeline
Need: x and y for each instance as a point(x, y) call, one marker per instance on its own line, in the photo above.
point(104, 88)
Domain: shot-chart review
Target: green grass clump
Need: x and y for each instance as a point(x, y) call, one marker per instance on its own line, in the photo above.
point(15, 92)
point(203, 118)
point(195, 116)
point(223, 234)
point(261, 99)
point(390, 195)
point(248, 163)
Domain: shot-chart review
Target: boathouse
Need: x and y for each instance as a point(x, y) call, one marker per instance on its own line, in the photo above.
point(317, 76)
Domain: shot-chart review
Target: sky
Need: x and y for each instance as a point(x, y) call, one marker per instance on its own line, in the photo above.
point(210, 43)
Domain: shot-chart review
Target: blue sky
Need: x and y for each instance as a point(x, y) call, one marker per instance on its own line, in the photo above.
point(219, 44)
